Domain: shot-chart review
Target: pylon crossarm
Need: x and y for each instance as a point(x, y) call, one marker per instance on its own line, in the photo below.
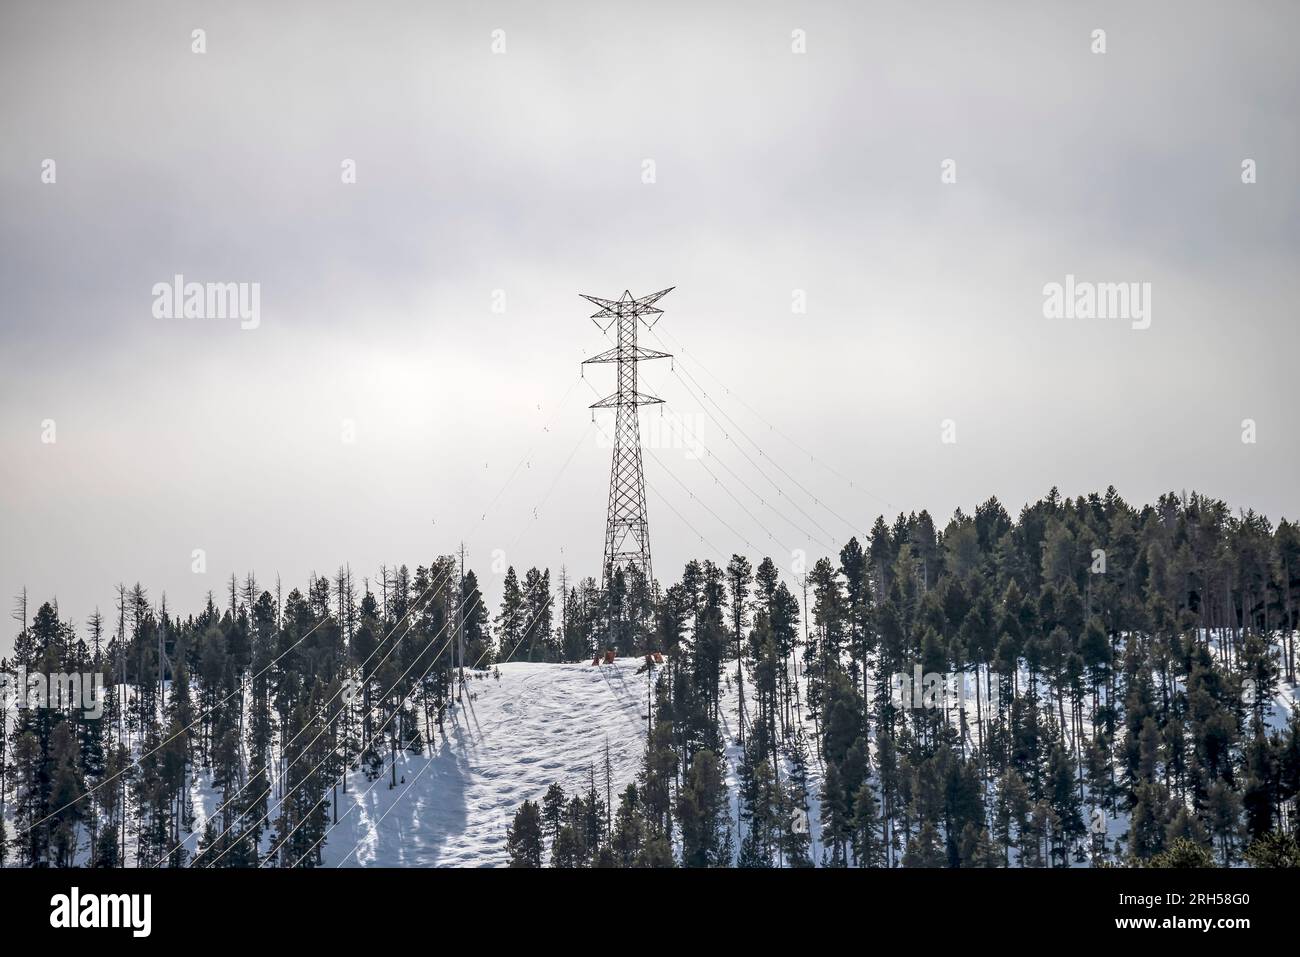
point(605, 305)
point(651, 299)
point(636, 398)
point(611, 355)
point(645, 306)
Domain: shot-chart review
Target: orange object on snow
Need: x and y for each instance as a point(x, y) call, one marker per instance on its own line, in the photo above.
point(609, 656)
point(596, 660)
point(659, 659)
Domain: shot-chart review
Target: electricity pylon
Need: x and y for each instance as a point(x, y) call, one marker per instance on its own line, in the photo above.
point(627, 530)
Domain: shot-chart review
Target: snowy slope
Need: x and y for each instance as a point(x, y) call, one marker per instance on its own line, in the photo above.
point(536, 725)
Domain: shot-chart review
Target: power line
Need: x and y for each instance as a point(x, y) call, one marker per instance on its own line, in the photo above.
point(478, 602)
point(705, 505)
point(727, 435)
point(809, 536)
point(397, 683)
point(443, 577)
point(320, 734)
point(188, 727)
point(771, 427)
point(527, 455)
point(412, 607)
point(410, 783)
point(726, 489)
point(283, 798)
point(302, 820)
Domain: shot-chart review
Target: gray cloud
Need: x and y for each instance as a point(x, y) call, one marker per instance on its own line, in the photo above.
point(522, 172)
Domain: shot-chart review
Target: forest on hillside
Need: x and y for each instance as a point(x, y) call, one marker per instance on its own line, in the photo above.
point(1129, 665)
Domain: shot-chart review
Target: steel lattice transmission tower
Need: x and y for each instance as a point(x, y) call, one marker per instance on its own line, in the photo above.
point(627, 530)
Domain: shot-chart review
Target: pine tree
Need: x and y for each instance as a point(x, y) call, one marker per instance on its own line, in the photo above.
point(1182, 853)
point(924, 850)
point(1223, 811)
point(553, 811)
point(701, 812)
point(565, 851)
point(524, 837)
point(1274, 849)
point(868, 846)
point(512, 619)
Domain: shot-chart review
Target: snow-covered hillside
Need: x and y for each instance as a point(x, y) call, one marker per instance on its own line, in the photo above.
point(537, 724)
point(512, 738)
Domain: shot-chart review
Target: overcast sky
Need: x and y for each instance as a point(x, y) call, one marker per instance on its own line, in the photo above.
point(523, 171)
